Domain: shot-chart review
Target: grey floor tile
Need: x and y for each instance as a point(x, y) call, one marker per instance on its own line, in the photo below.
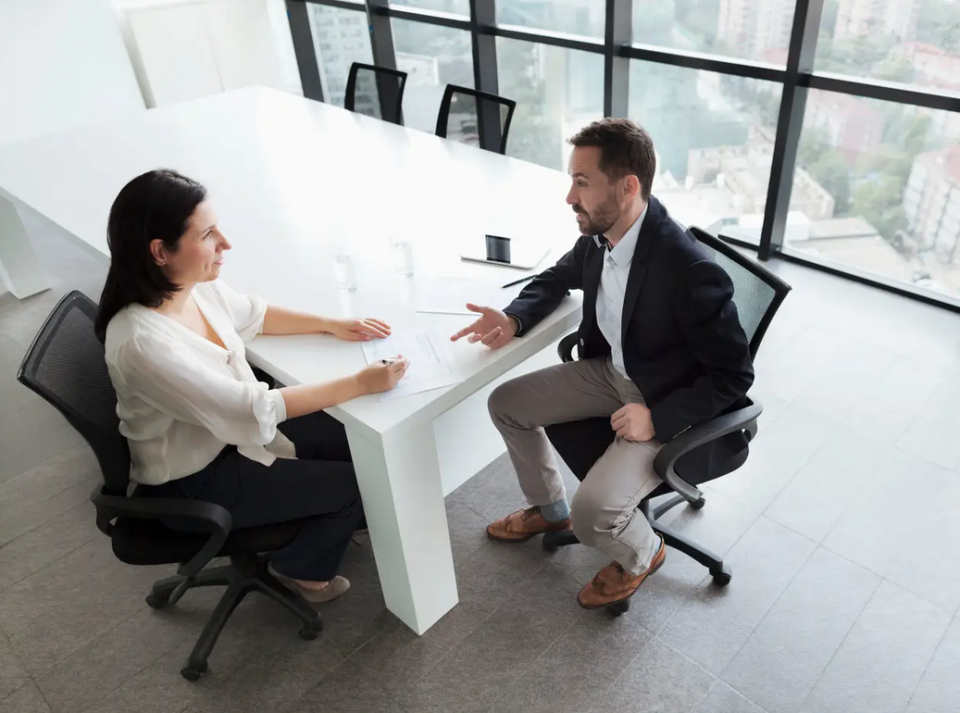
point(11, 354)
point(493, 492)
point(776, 455)
point(31, 436)
point(883, 657)
point(468, 531)
point(39, 494)
point(719, 525)
point(886, 512)
point(783, 659)
point(927, 562)
point(716, 621)
point(818, 495)
point(577, 669)
point(46, 544)
point(474, 674)
point(659, 680)
point(54, 612)
point(111, 659)
point(933, 432)
point(349, 688)
point(14, 395)
point(494, 575)
point(26, 699)
point(939, 689)
point(12, 672)
point(723, 699)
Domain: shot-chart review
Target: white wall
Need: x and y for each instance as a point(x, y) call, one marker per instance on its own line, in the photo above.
point(62, 64)
point(187, 49)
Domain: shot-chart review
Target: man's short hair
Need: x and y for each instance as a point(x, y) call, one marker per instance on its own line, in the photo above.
point(625, 148)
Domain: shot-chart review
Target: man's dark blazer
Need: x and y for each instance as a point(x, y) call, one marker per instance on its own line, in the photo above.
point(683, 345)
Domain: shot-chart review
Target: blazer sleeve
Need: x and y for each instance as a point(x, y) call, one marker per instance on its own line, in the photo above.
point(711, 328)
point(545, 292)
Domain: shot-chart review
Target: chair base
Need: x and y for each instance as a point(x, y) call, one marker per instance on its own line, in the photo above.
point(720, 572)
point(245, 574)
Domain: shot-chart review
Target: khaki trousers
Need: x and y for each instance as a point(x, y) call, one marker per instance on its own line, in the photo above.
point(604, 510)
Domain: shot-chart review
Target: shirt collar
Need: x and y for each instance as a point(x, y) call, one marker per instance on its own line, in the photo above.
point(622, 252)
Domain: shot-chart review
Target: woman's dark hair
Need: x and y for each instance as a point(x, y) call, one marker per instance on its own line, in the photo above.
point(154, 206)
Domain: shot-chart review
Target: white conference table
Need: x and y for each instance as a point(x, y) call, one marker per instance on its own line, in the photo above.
point(291, 180)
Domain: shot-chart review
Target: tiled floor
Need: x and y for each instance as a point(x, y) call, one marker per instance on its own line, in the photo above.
point(843, 532)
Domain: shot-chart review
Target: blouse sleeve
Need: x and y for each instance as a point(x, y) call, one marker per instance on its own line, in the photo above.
point(236, 412)
point(245, 311)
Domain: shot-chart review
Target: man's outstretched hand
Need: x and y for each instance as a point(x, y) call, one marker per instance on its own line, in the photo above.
point(493, 328)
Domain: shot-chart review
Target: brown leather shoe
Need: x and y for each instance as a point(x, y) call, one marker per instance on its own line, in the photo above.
point(613, 584)
point(521, 525)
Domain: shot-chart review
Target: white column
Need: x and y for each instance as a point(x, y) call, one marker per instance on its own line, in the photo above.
point(20, 270)
point(399, 478)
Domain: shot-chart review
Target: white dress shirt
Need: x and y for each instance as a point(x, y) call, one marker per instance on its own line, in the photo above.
point(181, 398)
point(613, 290)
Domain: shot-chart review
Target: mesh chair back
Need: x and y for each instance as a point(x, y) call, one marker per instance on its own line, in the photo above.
point(65, 366)
point(758, 293)
point(375, 91)
point(476, 118)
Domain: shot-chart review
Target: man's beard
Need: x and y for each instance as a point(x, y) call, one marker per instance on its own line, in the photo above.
point(601, 219)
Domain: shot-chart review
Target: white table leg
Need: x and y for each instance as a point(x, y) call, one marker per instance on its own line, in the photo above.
point(20, 269)
point(403, 500)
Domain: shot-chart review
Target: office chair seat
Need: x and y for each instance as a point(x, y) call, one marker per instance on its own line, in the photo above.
point(148, 542)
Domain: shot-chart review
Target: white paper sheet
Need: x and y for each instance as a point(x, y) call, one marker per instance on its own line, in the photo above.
point(431, 363)
point(449, 295)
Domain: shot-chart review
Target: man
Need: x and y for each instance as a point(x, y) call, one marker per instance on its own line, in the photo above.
point(661, 349)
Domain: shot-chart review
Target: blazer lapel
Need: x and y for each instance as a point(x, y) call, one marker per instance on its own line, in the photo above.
point(638, 266)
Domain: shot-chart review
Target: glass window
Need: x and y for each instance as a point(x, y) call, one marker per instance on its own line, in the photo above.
point(455, 7)
point(340, 38)
point(909, 41)
point(557, 92)
point(714, 137)
point(758, 30)
point(575, 17)
point(892, 173)
point(433, 57)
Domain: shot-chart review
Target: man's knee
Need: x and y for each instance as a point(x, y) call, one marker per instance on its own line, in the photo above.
point(502, 402)
point(591, 518)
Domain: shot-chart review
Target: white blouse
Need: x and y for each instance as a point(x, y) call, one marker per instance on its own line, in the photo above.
point(181, 398)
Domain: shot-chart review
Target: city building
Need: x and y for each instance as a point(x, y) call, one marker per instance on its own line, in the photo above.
point(932, 203)
point(851, 125)
point(743, 173)
point(751, 27)
point(862, 18)
point(340, 39)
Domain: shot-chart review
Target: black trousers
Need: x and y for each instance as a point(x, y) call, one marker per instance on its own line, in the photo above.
point(320, 487)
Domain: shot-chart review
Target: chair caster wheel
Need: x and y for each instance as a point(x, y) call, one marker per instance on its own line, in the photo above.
point(194, 671)
point(308, 633)
point(722, 576)
point(698, 504)
point(158, 601)
point(618, 609)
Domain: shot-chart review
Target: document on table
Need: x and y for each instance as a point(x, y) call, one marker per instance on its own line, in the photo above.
point(431, 362)
point(449, 295)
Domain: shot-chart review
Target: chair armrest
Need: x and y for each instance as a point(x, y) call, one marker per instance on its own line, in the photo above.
point(744, 419)
point(216, 518)
point(565, 347)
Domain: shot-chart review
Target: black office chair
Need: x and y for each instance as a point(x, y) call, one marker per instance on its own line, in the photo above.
point(375, 91)
point(758, 294)
point(479, 118)
point(65, 365)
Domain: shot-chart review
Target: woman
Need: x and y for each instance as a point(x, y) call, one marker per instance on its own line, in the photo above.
point(199, 424)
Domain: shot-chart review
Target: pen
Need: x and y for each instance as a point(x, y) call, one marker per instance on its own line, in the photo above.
point(391, 360)
point(517, 282)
